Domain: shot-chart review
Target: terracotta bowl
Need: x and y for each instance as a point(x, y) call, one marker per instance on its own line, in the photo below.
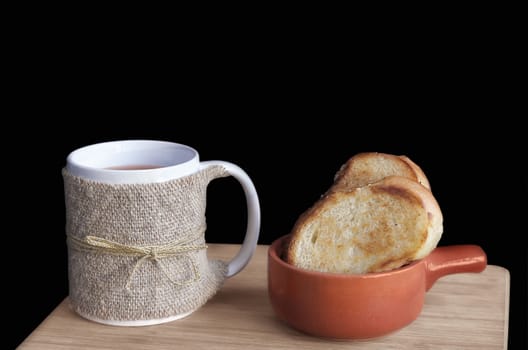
point(348, 306)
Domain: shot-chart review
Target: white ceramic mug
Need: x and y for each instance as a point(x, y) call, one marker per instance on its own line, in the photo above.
point(143, 163)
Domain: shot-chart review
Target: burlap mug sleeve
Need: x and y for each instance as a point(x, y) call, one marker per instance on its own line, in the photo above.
point(137, 251)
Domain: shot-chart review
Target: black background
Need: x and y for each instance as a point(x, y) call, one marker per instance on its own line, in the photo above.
point(289, 122)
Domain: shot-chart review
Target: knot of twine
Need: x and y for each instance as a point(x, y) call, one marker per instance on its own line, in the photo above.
point(144, 253)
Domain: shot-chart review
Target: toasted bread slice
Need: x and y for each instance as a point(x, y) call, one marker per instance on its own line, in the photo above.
point(373, 228)
point(369, 167)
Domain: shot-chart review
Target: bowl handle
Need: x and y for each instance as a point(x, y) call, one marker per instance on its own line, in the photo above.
point(453, 259)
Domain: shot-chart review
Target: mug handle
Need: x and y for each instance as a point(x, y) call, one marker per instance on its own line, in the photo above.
point(253, 218)
point(453, 259)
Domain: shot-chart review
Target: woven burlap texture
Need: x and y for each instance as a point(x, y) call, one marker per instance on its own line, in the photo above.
point(122, 285)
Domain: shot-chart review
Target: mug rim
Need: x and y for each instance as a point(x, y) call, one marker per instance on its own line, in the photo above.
point(78, 167)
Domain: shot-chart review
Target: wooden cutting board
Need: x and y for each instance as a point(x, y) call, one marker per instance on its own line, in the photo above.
point(461, 311)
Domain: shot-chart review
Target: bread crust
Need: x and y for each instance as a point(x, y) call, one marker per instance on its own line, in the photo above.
point(375, 246)
point(369, 167)
point(432, 208)
point(420, 175)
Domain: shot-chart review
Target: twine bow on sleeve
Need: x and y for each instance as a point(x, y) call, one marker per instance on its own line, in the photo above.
point(143, 253)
